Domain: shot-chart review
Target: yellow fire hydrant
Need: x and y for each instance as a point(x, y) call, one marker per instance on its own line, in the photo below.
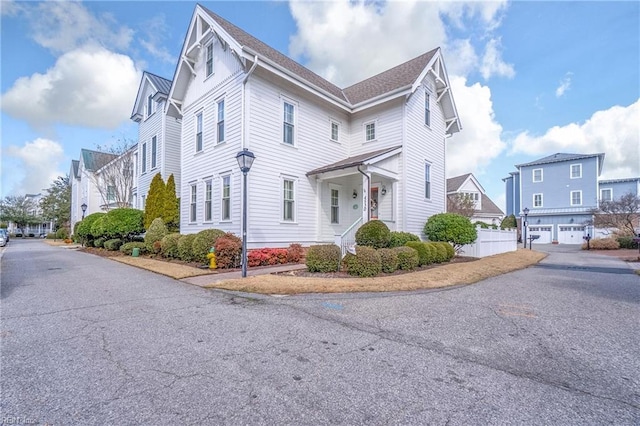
point(212, 259)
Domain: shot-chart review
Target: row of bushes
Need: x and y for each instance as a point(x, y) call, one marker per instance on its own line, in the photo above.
point(611, 243)
point(369, 261)
point(124, 224)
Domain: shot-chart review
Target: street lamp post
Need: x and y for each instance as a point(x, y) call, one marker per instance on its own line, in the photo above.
point(524, 225)
point(245, 160)
point(84, 209)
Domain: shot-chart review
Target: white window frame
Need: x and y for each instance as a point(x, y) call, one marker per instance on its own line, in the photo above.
point(609, 190)
point(149, 106)
point(333, 123)
point(541, 200)
point(365, 126)
point(143, 159)
point(193, 205)
point(286, 124)
point(294, 206)
point(571, 197)
point(334, 207)
point(154, 152)
point(111, 194)
point(533, 175)
point(199, 131)
point(579, 169)
point(208, 60)
point(220, 121)
point(427, 109)
point(225, 199)
point(427, 180)
point(208, 200)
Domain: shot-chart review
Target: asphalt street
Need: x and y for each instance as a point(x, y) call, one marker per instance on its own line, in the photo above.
point(85, 340)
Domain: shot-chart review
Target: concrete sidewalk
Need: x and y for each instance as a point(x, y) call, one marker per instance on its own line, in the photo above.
point(203, 280)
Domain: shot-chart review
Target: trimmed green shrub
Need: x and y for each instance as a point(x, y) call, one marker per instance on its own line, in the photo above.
point(626, 242)
point(171, 209)
point(204, 241)
point(154, 205)
point(83, 228)
point(185, 244)
point(323, 258)
point(154, 234)
point(228, 251)
point(169, 245)
point(51, 236)
point(389, 259)
point(98, 228)
point(424, 254)
point(408, 258)
point(127, 248)
point(509, 222)
point(62, 233)
point(113, 244)
point(438, 251)
point(399, 239)
point(451, 253)
point(373, 234)
point(123, 223)
point(365, 263)
point(432, 253)
point(99, 242)
point(450, 227)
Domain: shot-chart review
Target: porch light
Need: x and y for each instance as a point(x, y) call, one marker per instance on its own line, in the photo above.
point(84, 209)
point(245, 161)
point(355, 194)
point(384, 190)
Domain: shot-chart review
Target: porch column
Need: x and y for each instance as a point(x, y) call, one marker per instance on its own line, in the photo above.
point(365, 198)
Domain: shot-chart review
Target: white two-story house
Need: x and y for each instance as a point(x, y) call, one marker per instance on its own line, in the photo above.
point(327, 159)
point(158, 137)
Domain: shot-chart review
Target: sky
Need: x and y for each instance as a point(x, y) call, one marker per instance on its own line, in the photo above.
point(529, 78)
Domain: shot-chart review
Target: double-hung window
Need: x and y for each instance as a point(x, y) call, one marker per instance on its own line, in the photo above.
point(335, 206)
point(537, 175)
point(288, 124)
point(606, 195)
point(111, 194)
point(288, 200)
point(576, 171)
point(370, 131)
point(576, 198)
point(225, 208)
point(208, 214)
point(335, 131)
point(209, 59)
point(537, 200)
point(194, 203)
point(221, 121)
point(154, 152)
point(144, 157)
point(427, 181)
point(199, 132)
point(149, 105)
point(427, 109)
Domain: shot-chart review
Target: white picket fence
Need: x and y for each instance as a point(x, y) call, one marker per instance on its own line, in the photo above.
point(490, 242)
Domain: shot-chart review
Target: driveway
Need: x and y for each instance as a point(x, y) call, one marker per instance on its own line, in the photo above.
point(86, 340)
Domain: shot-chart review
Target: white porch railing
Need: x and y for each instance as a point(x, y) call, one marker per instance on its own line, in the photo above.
point(348, 237)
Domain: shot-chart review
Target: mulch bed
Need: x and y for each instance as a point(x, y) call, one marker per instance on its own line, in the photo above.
point(306, 273)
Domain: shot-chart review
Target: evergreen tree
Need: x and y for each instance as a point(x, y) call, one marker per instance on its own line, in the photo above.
point(171, 209)
point(155, 200)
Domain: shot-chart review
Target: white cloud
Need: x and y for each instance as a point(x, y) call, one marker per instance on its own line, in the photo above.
point(479, 142)
point(155, 30)
point(615, 131)
point(565, 84)
point(89, 86)
point(492, 63)
point(38, 161)
point(62, 26)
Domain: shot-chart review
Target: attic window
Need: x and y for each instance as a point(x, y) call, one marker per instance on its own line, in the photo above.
point(209, 59)
point(149, 105)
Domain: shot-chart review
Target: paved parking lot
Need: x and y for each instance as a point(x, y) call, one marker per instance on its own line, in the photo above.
point(89, 341)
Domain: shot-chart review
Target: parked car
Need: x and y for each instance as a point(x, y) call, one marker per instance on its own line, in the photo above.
point(4, 233)
point(3, 241)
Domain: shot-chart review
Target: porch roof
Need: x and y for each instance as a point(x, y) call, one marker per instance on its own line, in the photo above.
point(357, 160)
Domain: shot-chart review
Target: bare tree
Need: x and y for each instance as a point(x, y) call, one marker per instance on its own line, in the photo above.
point(622, 213)
point(461, 204)
point(113, 175)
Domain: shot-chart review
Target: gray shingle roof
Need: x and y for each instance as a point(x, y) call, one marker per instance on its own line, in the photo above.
point(94, 160)
point(356, 160)
point(162, 84)
point(556, 158)
point(454, 183)
point(488, 206)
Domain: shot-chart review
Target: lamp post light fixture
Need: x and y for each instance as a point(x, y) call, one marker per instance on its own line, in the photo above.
point(524, 225)
point(84, 209)
point(245, 160)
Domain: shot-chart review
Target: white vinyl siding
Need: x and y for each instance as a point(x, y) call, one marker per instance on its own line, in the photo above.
point(606, 194)
point(154, 152)
point(288, 200)
point(288, 125)
point(576, 171)
point(209, 59)
point(208, 212)
point(576, 198)
point(537, 200)
point(194, 203)
point(220, 121)
point(225, 201)
point(537, 175)
point(199, 132)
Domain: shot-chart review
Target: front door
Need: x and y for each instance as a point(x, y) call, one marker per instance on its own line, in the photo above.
point(374, 203)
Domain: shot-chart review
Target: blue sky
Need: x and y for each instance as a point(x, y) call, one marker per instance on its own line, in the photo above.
point(529, 78)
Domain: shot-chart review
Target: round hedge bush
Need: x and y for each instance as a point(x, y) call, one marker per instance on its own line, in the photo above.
point(127, 248)
point(452, 228)
point(408, 258)
point(229, 251)
point(156, 232)
point(389, 259)
point(83, 230)
point(373, 234)
point(122, 223)
point(185, 244)
point(62, 233)
point(438, 251)
point(451, 253)
point(113, 244)
point(169, 245)
point(365, 263)
point(99, 242)
point(424, 254)
point(205, 240)
point(323, 258)
point(399, 239)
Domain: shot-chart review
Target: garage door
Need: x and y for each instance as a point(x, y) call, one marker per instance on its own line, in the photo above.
point(570, 234)
point(543, 231)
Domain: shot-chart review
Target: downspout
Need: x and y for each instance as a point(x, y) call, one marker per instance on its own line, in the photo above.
point(368, 192)
point(244, 83)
